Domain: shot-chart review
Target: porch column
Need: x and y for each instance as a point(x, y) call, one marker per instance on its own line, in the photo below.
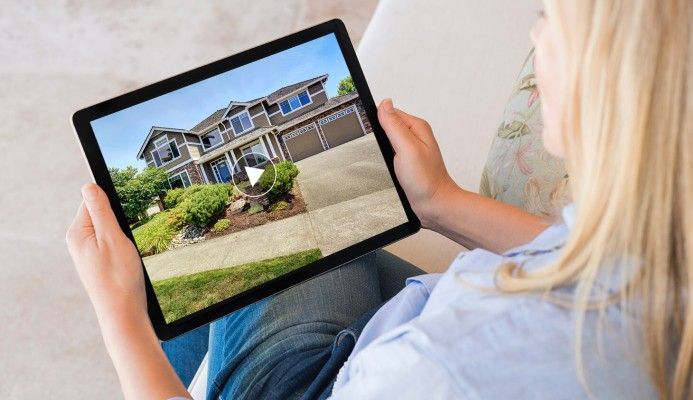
point(228, 159)
point(271, 152)
point(204, 172)
point(235, 160)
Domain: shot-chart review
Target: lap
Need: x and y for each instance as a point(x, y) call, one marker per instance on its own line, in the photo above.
point(274, 348)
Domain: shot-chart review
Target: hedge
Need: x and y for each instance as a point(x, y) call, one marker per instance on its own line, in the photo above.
point(286, 171)
point(205, 204)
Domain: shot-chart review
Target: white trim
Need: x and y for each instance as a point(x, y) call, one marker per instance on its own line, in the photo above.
point(179, 165)
point(237, 134)
point(153, 129)
point(231, 164)
point(266, 136)
point(304, 87)
point(204, 172)
point(216, 145)
point(235, 160)
point(310, 98)
point(315, 126)
point(168, 142)
point(318, 92)
point(279, 111)
point(279, 146)
point(180, 173)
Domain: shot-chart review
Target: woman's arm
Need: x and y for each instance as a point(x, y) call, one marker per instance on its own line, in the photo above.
point(111, 272)
point(465, 217)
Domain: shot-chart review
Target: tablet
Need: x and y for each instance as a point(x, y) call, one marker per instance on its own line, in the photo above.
point(248, 175)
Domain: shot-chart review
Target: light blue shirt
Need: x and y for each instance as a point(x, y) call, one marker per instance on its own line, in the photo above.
point(440, 338)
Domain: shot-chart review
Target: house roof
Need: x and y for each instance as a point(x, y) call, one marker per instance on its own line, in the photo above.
point(151, 133)
point(211, 119)
point(218, 115)
point(283, 91)
point(329, 104)
point(239, 141)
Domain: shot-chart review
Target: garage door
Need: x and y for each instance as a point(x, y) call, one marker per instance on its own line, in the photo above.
point(303, 142)
point(341, 127)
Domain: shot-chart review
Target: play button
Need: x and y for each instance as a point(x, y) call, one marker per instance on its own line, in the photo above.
point(254, 174)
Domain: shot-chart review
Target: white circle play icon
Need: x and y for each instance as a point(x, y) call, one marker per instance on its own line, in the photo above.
point(248, 171)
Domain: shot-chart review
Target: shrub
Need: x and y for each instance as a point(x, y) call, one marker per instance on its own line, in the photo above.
point(177, 216)
point(173, 197)
point(221, 225)
point(286, 171)
point(280, 205)
point(255, 208)
point(205, 204)
point(155, 236)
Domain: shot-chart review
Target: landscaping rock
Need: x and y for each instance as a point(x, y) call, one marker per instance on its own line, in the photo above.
point(237, 206)
point(188, 235)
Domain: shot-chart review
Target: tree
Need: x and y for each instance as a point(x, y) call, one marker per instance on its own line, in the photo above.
point(137, 191)
point(346, 86)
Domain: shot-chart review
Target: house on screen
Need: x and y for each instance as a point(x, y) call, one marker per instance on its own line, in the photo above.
point(292, 123)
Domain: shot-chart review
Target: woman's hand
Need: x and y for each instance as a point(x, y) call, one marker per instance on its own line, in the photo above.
point(106, 260)
point(468, 218)
point(418, 162)
point(111, 271)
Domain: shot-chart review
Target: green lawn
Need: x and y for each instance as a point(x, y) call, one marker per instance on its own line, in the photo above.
point(183, 295)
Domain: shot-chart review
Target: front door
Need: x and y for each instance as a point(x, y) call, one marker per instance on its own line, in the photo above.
point(221, 171)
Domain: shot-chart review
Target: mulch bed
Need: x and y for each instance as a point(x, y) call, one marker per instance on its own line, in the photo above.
point(244, 220)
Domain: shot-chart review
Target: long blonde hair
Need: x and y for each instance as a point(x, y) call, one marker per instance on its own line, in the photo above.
point(628, 138)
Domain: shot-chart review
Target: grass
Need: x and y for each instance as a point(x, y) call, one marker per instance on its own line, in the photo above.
point(183, 295)
point(154, 236)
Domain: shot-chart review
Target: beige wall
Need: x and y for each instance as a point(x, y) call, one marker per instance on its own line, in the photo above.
point(457, 72)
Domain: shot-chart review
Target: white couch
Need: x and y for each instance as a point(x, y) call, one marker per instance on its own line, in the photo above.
point(452, 62)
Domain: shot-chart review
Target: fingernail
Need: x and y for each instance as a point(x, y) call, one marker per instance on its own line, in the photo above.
point(387, 105)
point(89, 192)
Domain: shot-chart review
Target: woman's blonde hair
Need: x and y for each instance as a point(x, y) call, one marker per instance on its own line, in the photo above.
point(628, 139)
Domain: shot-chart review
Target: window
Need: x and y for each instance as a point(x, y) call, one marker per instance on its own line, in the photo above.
point(253, 159)
point(241, 123)
point(211, 139)
point(293, 103)
point(164, 151)
point(221, 170)
point(181, 180)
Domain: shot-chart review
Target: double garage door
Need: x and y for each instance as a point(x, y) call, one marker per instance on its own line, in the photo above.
point(338, 128)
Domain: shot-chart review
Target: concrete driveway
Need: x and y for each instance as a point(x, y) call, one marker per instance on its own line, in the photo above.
point(349, 194)
point(349, 197)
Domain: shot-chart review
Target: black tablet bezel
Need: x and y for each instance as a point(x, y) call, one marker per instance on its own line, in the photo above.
point(82, 119)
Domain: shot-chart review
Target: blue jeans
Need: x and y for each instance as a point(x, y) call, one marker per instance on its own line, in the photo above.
point(291, 345)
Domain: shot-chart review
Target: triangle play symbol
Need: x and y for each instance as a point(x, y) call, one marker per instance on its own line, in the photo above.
point(253, 174)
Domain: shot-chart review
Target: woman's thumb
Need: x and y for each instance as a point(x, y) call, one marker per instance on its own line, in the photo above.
point(99, 208)
point(396, 130)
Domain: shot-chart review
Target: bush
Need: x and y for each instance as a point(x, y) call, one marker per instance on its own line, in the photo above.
point(205, 204)
point(280, 205)
point(221, 225)
point(173, 197)
point(286, 171)
point(176, 218)
point(255, 208)
point(155, 236)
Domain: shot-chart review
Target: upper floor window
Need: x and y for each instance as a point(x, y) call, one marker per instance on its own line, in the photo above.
point(241, 122)
point(295, 102)
point(164, 151)
point(211, 138)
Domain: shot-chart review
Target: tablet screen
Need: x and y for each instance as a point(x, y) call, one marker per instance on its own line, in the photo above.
point(243, 177)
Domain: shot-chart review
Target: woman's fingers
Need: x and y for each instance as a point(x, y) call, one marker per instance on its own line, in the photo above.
point(396, 129)
point(100, 212)
point(80, 229)
point(418, 126)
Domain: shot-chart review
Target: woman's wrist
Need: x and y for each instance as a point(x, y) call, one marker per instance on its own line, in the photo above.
point(436, 213)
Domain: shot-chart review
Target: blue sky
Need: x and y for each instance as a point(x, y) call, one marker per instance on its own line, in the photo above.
point(121, 134)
